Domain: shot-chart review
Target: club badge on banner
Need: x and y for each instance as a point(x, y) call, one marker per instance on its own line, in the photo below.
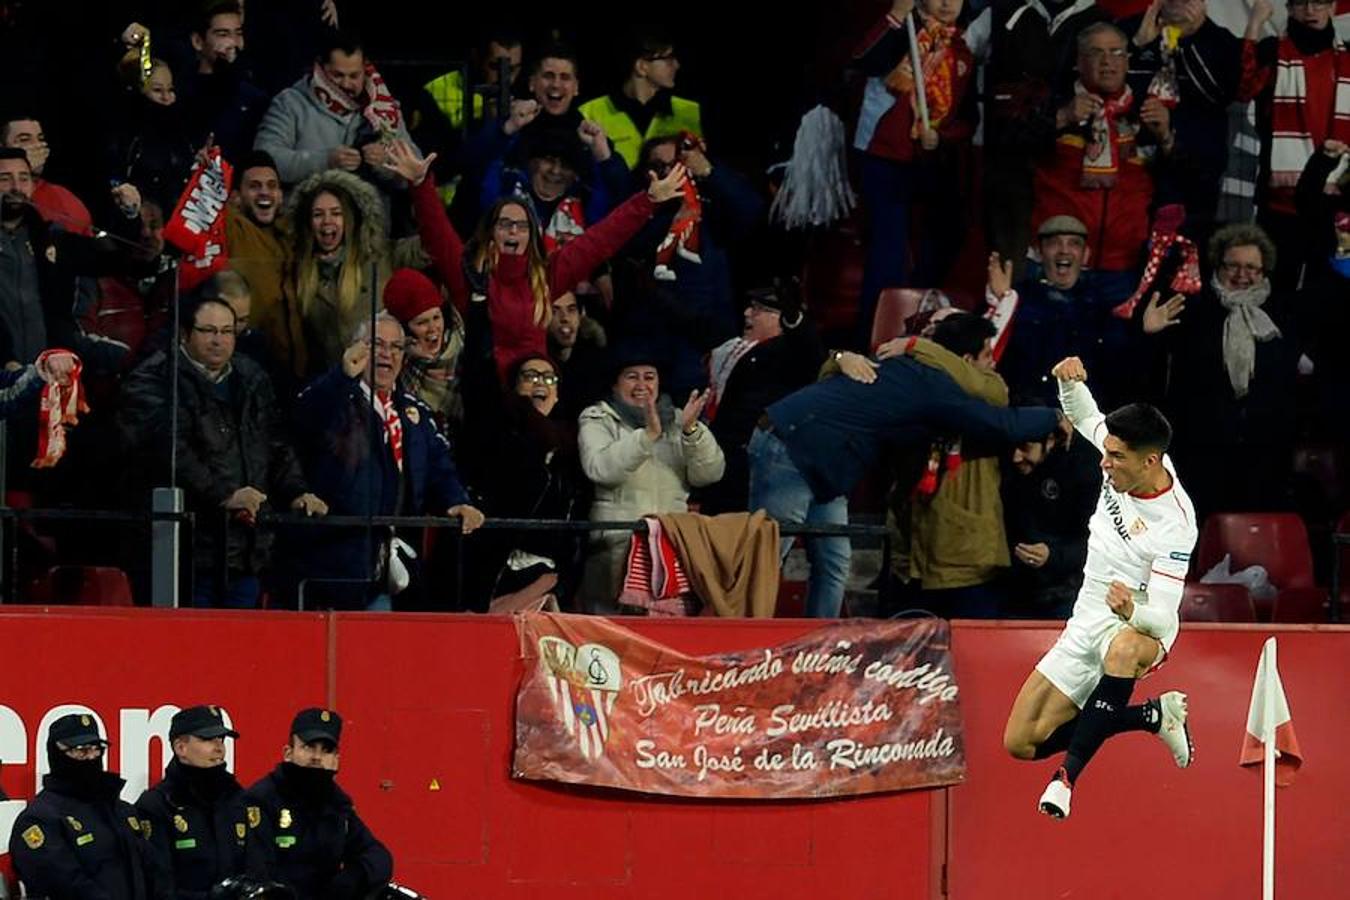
point(850, 708)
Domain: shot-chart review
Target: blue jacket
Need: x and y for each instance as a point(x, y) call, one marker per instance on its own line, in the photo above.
point(19, 389)
point(835, 430)
point(1051, 324)
point(348, 463)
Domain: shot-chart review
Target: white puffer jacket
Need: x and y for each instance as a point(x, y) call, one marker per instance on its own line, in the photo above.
point(635, 476)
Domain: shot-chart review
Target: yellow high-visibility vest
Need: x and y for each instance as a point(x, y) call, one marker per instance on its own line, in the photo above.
point(623, 133)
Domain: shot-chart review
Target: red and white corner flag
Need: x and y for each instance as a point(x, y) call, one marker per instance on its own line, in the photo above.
point(1267, 718)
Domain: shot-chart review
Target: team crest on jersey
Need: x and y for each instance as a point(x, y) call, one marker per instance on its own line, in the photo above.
point(1137, 527)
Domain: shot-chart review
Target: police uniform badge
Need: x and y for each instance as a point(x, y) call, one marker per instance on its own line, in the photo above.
point(75, 823)
point(84, 720)
point(325, 716)
point(254, 817)
point(34, 837)
point(180, 823)
point(240, 830)
point(284, 820)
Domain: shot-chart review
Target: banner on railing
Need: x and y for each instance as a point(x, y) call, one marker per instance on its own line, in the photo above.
point(850, 708)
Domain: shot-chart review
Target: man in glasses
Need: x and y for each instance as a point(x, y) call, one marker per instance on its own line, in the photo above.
point(645, 107)
point(78, 838)
point(371, 448)
point(1101, 171)
point(233, 456)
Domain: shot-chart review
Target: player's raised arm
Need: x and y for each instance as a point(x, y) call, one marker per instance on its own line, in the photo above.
point(1077, 402)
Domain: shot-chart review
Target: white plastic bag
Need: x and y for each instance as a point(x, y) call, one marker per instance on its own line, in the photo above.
point(1254, 578)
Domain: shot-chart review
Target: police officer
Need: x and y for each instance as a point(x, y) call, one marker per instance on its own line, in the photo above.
point(315, 842)
point(195, 820)
point(78, 840)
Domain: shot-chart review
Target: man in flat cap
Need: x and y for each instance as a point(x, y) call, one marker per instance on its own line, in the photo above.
point(1061, 311)
point(312, 836)
point(78, 840)
point(195, 820)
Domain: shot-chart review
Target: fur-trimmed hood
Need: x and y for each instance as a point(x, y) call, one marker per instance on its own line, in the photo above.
point(365, 199)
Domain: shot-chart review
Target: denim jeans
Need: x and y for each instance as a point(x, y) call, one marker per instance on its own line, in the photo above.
point(778, 488)
point(241, 592)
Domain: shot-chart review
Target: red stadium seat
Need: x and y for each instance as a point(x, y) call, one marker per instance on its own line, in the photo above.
point(1277, 541)
point(1300, 605)
point(84, 586)
point(1217, 603)
point(895, 307)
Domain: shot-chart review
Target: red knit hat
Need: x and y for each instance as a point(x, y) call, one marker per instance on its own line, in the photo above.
point(408, 294)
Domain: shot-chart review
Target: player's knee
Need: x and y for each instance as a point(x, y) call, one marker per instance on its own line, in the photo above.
point(1018, 743)
point(1130, 654)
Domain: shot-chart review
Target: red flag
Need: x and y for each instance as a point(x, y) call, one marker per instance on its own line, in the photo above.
point(197, 226)
point(1269, 714)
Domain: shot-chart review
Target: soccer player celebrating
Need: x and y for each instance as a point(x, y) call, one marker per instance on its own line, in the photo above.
point(1125, 618)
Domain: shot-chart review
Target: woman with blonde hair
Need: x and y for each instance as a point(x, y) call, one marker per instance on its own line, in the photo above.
point(340, 261)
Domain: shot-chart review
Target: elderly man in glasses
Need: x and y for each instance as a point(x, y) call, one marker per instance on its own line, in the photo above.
point(1109, 144)
point(78, 838)
point(372, 449)
point(233, 457)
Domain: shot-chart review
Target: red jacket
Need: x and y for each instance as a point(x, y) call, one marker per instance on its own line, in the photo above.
point(1116, 218)
point(510, 301)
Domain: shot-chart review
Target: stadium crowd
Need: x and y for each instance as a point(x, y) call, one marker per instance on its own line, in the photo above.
point(491, 299)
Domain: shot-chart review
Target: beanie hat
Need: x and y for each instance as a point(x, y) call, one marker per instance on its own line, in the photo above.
point(409, 293)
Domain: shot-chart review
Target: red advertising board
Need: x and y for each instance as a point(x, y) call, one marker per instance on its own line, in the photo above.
point(850, 708)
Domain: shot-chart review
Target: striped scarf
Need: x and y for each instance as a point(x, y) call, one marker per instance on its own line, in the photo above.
point(393, 426)
point(1295, 139)
point(1102, 155)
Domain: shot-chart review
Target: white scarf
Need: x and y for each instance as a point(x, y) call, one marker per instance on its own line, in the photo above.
point(1246, 324)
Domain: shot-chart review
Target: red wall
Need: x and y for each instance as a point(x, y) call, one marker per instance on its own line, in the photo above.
point(429, 699)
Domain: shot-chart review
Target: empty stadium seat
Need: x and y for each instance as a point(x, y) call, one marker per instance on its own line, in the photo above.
point(1300, 605)
point(83, 585)
point(1217, 603)
point(1277, 541)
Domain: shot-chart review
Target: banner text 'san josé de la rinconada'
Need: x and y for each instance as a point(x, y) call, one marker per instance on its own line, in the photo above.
point(850, 708)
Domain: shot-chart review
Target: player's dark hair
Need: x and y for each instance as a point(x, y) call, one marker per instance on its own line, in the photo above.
point(1141, 426)
point(963, 333)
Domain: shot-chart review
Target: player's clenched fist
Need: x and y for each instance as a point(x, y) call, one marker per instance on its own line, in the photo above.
point(1070, 369)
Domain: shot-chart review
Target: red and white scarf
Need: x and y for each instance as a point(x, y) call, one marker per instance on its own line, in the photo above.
point(377, 105)
point(682, 238)
point(59, 409)
point(567, 222)
point(197, 226)
point(654, 579)
point(1106, 138)
point(1293, 140)
point(721, 363)
point(393, 426)
point(1166, 235)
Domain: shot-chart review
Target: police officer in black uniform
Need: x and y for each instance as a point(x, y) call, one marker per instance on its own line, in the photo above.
point(195, 819)
point(315, 842)
point(78, 840)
